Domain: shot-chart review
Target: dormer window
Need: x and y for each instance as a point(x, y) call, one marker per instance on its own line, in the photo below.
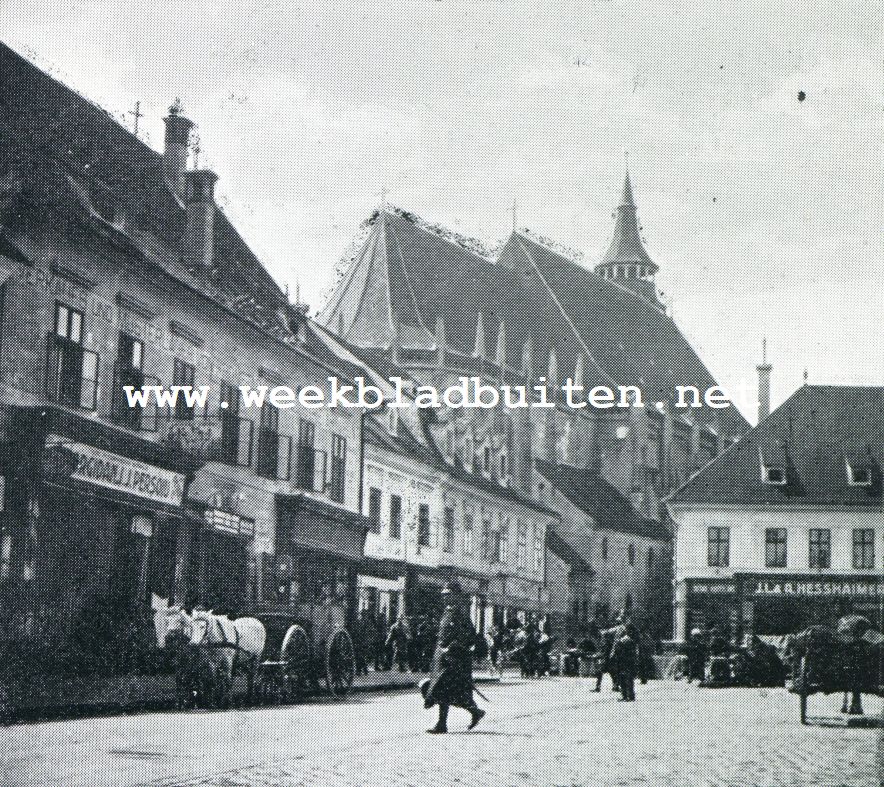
point(858, 473)
point(776, 476)
point(773, 466)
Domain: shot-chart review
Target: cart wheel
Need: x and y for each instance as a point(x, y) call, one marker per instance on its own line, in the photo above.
point(294, 653)
point(340, 664)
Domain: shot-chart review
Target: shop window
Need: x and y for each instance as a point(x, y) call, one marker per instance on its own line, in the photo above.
point(719, 547)
point(630, 554)
point(338, 468)
point(521, 543)
point(820, 548)
point(395, 516)
point(183, 375)
point(423, 525)
point(274, 449)
point(864, 548)
point(72, 372)
point(775, 547)
point(374, 509)
point(305, 457)
point(236, 432)
point(448, 530)
point(468, 533)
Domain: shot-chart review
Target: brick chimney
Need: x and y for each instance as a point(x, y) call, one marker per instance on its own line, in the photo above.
point(764, 370)
point(176, 149)
point(199, 239)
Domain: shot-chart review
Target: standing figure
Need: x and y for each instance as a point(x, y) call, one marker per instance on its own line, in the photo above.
point(398, 642)
point(380, 656)
point(494, 637)
point(696, 655)
point(625, 658)
point(451, 677)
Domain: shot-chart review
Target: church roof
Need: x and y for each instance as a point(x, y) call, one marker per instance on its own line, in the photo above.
point(812, 438)
point(408, 275)
point(626, 245)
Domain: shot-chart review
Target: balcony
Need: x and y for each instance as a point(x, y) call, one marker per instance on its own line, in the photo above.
point(224, 438)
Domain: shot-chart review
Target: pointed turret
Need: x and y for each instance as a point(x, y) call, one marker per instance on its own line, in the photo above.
point(626, 260)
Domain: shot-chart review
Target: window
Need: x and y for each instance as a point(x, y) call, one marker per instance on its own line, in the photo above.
point(538, 546)
point(130, 357)
point(337, 469)
point(183, 375)
point(859, 476)
point(72, 372)
point(503, 542)
point(775, 547)
point(395, 516)
point(305, 459)
point(820, 548)
point(468, 533)
point(630, 554)
point(503, 467)
point(236, 432)
point(719, 547)
point(448, 531)
point(274, 450)
point(486, 459)
point(423, 525)
point(605, 548)
point(521, 543)
point(864, 548)
point(374, 509)
point(486, 536)
point(773, 475)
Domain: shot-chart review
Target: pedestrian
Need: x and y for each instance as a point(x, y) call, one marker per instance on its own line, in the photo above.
point(451, 678)
point(605, 661)
point(625, 658)
point(368, 642)
point(399, 642)
point(494, 638)
point(380, 656)
point(696, 656)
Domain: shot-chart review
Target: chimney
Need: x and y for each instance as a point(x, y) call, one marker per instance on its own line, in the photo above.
point(200, 234)
point(764, 370)
point(176, 149)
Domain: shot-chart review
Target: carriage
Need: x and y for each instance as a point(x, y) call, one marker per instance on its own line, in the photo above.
point(295, 663)
point(849, 661)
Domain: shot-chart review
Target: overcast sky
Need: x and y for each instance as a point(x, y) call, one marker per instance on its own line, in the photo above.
point(764, 212)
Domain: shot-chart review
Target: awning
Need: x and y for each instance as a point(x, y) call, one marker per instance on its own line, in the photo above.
point(307, 523)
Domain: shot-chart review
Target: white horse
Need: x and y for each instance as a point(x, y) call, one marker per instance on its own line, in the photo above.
point(229, 645)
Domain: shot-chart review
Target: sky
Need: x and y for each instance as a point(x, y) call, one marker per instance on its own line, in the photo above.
point(753, 132)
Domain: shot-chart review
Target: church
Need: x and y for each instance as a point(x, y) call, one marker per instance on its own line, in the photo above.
point(440, 306)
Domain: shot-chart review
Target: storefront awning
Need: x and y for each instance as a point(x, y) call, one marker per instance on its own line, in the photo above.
point(307, 523)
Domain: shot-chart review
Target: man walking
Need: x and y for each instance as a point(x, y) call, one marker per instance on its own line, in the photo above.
point(451, 676)
point(625, 658)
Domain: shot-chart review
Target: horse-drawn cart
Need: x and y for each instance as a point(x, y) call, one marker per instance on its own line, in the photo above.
point(295, 665)
point(829, 662)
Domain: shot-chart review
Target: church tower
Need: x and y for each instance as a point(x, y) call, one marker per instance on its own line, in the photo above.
point(626, 261)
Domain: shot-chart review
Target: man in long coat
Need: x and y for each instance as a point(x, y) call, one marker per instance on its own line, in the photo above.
point(451, 674)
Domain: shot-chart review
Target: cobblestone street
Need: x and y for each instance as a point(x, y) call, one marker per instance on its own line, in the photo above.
point(554, 731)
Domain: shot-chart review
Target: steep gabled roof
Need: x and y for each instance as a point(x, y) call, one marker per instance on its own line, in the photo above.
point(812, 437)
point(65, 147)
point(595, 497)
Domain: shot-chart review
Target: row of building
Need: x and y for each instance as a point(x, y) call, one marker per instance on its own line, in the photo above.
point(118, 269)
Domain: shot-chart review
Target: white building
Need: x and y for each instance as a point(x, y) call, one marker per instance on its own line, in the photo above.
point(785, 528)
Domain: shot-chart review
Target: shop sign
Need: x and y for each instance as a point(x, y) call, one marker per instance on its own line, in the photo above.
point(111, 471)
point(230, 523)
point(381, 548)
point(713, 587)
point(844, 587)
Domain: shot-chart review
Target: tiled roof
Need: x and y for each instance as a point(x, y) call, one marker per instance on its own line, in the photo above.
point(812, 436)
point(67, 150)
point(408, 274)
point(593, 495)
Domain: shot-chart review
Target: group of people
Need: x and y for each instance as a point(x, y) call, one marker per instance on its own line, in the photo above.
point(527, 642)
point(713, 660)
point(407, 642)
point(620, 651)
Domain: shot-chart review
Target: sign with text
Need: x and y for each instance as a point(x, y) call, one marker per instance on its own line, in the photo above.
point(111, 471)
point(840, 587)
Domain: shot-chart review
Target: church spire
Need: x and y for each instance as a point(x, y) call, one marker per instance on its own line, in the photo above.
point(626, 260)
